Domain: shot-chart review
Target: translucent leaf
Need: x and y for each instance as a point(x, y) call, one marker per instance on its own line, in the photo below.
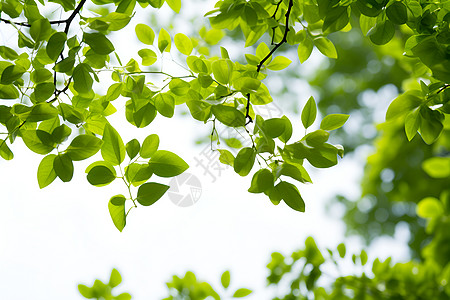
point(83, 146)
point(164, 41)
point(326, 47)
point(341, 249)
point(98, 42)
point(149, 146)
point(333, 121)
point(175, 5)
point(46, 174)
point(225, 279)
point(262, 180)
point(115, 279)
point(397, 13)
point(309, 113)
point(167, 164)
point(243, 292)
point(55, 45)
point(63, 166)
point(145, 34)
point(222, 70)
point(429, 207)
point(116, 207)
point(132, 148)
point(305, 49)
point(243, 163)
point(113, 149)
point(165, 104)
point(437, 167)
point(382, 33)
point(228, 115)
point(150, 192)
point(279, 63)
point(183, 43)
point(148, 56)
point(100, 176)
point(291, 196)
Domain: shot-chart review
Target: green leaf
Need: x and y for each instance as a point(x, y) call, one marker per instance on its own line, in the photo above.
point(183, 43)
point(98, 42)
point(404, 104)
point(430, 124)
point(167, 164)
point(100, 176)
point(82, 78)
point(295, 171)
point(5, 152)
point(46, 174)
point(8, 92)
point(291, 196)
point(175, 5)
point(397, 13)
point(222, 70)
point(228, 115)
point(324, 156)
point(279, 63)
point(336, 19)
point(133, 147)
point(437, 167)
point(138, 174)
point(262, 181)
point(38, 141)
point(243, 292)
point(412, 124)
point(225, 279)
point(180, 87)
point(42, 111)
point(113, 149)
point(333, 121)
point(145, 34)
point(382, 33)
point(309, 113)
point(83, 146)
point(164, 41)
point(305, 49)
point(363, 257)
point(63, 166)
point(8, 53)
point(326, 47)
point(226, 157)
point(429, 207)
point(243, 163)
point(116, 207)
point(247, 84)
point(165, 104)
point(40, 30)
point(115, 279)
point(287, 130)
point(274, 127)
point(316, 138)
point(150, 192)
point(148, 56)
point(149, 146)
point(341, 249)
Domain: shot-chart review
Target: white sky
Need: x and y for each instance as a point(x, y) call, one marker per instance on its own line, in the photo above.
point(55, 238)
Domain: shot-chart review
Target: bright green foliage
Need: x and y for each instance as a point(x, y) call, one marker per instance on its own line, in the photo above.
point(101, 290)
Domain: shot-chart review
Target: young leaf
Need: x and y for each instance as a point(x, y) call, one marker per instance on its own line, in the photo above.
point(165, 104)
point(63, 166)
point(132, 147)
point(150, 192)
point(46, 173)
point(225, 279)
point(98, 42)
point(228, 115)
point(183, 43)
point(100, 176)
point(145, 34)
point(341, 250)
point(175, 5)
point(148, 57)
point(429, 207)
point(115, 279)
point(83, 146)
point(116, 207)
point(167, 164)
point(309, 112)
point(164, 41)
point(333, 121)
point(243, 163)
point(279, 63)
point(113, 149)
point(261, 181)
point(305, 49)
point(243, 292)
point(382, 33)
point(326, 47)
point(290, 194)
point(149, 146)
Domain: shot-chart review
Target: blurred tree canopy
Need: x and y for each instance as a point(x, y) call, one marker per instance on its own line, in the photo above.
point(61, 79)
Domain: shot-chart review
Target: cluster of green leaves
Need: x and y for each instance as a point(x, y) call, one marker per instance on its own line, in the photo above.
point(101, 290)
point(189, 288)
point(53, 82)
point(179, 288)
point(384, 280)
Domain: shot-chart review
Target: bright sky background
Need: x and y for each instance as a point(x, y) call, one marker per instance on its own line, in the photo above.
point(55, 238)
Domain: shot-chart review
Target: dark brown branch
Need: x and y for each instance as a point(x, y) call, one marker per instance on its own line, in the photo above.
point(278, 45)
point(16, 23)
point(284, 40)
